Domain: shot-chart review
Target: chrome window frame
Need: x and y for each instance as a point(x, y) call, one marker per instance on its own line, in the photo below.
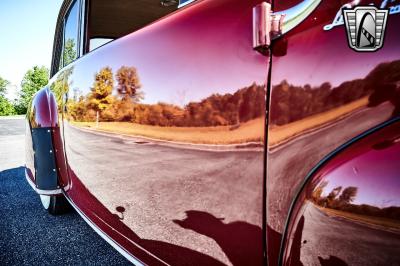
point(58, 43)
point(183, 3)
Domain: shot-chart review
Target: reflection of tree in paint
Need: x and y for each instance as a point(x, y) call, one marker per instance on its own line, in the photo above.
point(290, 103)
point(344, 202)
point(229, 109)
point(384, 82)
point(129, 84)
point(100, 97)
point(348, 195)
point(62, 86)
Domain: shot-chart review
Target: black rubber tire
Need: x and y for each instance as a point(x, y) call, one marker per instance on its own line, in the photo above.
point(55, 205)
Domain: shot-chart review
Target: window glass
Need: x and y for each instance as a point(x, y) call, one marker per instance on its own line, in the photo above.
point(184, 2)
point(109, 20)
point(97, 42)
point(71, 34)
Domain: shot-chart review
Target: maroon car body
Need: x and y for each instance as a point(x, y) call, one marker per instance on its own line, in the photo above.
point(180, 144)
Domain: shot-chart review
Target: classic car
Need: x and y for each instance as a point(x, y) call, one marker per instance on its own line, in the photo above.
point(225, 132)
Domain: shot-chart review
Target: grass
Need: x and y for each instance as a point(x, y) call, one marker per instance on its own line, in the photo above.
point(277, 134)
point(251, 131)
point(385, 222)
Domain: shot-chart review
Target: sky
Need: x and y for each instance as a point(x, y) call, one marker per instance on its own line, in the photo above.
point(26, 34)
point(378, 183)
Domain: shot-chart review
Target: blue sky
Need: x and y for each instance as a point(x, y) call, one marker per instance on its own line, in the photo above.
point(26, 34)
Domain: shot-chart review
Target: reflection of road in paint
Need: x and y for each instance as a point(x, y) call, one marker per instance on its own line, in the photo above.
point(246, 135)
point(354, 238)
point(143, 178)
point(315, 144)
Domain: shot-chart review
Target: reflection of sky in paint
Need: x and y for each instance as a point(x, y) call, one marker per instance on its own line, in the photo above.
point(182, 62)
point(376, 177)
point(324, 56)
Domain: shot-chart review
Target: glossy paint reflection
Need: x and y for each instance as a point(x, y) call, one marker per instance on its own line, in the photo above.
point(323, 94)
point(351, 206)
point(164, 137)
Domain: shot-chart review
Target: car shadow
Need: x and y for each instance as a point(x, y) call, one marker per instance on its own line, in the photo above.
point(240, 241)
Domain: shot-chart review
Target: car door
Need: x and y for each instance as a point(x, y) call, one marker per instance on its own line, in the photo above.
point(323, 95)
point(164, 135)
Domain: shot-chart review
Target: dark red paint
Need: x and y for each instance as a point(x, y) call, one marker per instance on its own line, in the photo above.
point(43, 110)
point(356, 91)
point(140, 174)
point(177, 198)
point(368, 222)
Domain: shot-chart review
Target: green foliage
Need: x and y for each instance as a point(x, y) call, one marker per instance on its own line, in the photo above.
point(69, 53)
point(34, 79)
point(61, 86)
point(3, 85)
point(6, 108)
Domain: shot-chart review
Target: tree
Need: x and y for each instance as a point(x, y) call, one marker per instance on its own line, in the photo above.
point(34, 79)
point(348, 195)
point(6, 108)
point(69, 52)
point(3, 86)
point(128, 84)
point(331, 198)
point(317, 193)
point(100, 97)
point(334, 193)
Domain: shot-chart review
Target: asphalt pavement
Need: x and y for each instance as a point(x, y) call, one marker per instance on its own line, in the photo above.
point(28, 234)
point(333, 240)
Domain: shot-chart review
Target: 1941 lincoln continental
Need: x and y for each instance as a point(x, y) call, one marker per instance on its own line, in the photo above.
point(225, 132)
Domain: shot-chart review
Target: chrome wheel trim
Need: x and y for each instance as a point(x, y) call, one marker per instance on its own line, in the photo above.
point(45, 199)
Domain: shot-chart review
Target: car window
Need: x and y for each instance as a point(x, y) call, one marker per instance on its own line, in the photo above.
point(71, 34)
point(183, 3)
point(109, 20)
point(97, 42)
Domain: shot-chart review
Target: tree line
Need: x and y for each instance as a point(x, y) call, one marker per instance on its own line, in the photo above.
point(342, 199)
point(290, 103)
point(216, 110)
point(33, 80)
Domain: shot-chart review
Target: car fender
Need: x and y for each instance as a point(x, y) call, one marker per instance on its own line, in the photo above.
point(348, 201)
point(41, 129)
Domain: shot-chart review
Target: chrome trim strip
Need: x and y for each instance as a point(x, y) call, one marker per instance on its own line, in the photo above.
point(295, 15)
point(185, 3)
point(41, 191)
point(103, 235)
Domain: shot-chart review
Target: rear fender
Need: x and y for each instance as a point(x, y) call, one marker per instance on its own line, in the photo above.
point(42, 170)
point(348, 210)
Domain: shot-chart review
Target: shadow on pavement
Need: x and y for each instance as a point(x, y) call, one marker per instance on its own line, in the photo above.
point(240, 241)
